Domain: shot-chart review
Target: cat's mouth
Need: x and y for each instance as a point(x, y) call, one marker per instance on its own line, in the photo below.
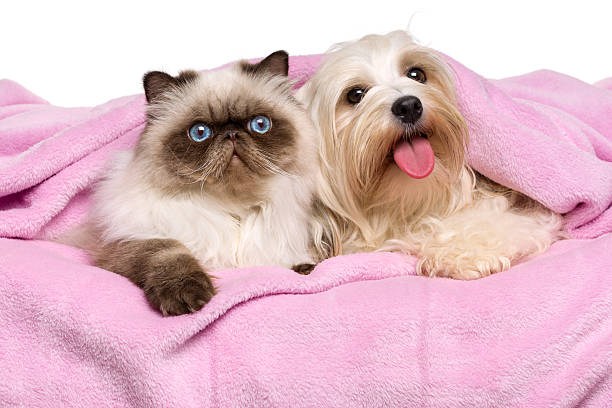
point(243, 159)
point(235, 155)
point(235, 158)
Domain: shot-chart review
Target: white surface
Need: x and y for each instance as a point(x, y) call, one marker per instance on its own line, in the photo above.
point(84, 53)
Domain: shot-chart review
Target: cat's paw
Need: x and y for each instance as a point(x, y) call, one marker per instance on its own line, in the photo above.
point(464, 268)
point(304, 268)
point(178, 285)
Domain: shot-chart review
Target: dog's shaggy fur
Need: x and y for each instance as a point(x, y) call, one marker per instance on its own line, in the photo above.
point(461, 224)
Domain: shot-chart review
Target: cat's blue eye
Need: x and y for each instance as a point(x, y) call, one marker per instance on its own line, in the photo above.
point(260, 124)
point(200, 132)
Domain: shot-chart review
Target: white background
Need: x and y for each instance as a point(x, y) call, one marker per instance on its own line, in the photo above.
point(84, 53)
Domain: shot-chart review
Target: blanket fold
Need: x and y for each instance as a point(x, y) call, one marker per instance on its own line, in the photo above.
point(361, 330)
point(546, 135)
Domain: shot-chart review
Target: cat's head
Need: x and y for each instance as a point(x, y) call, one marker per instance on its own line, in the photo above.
point(228, 130)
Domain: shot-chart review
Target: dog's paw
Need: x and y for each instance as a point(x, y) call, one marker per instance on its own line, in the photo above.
point(178, 286)
point(464, 268)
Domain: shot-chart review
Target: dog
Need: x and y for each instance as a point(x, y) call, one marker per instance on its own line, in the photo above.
point(393, 173)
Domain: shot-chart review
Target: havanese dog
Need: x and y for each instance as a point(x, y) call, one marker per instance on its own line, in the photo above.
point(393, 170)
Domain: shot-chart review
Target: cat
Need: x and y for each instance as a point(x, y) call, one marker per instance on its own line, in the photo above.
point(221, 177)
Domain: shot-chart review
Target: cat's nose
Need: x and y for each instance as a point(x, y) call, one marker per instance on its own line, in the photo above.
point(408, 109)
point(232, 135)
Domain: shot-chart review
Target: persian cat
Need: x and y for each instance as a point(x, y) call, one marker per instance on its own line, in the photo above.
point(221, 177)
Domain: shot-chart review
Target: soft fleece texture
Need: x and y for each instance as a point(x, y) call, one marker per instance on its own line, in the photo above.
point(361, 330)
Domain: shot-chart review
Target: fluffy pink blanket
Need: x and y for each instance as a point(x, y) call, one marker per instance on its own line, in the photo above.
point(361, 330)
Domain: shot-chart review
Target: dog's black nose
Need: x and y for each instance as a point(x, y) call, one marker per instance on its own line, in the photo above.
point(408, 109)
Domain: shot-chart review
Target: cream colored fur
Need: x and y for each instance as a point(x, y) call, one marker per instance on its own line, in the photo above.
point(457, 225)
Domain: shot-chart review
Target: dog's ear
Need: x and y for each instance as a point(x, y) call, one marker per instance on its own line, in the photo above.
point(276, 63)
point(156, 83)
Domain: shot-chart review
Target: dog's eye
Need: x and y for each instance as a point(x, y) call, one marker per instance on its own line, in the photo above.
point(417, 74)
point(199, 132)
point(355, 95)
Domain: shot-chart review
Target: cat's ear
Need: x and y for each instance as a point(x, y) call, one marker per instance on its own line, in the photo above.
point(276, 63)
point(156, 83)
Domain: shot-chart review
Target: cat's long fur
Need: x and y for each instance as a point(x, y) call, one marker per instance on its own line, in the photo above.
point(163, 217)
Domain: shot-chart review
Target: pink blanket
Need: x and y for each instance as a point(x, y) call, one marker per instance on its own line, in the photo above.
point(361, 330)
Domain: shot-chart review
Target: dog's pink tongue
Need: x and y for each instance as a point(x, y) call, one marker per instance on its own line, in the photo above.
point(415, 158)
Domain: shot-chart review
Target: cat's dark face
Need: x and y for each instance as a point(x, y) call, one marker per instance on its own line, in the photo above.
point(227, 129)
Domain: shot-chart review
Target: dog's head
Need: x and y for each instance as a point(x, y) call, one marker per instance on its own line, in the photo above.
point(385, 107)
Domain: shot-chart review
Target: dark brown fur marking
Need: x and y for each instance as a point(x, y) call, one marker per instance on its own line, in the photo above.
point(156, 83)
point(182, 155)
point(304, 269)
point(172, 279)
point(276, 63)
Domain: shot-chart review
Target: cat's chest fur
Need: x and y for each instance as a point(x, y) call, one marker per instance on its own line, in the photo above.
point(219, 233)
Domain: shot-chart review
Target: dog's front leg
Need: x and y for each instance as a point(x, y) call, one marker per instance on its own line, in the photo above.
point(485, 238)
